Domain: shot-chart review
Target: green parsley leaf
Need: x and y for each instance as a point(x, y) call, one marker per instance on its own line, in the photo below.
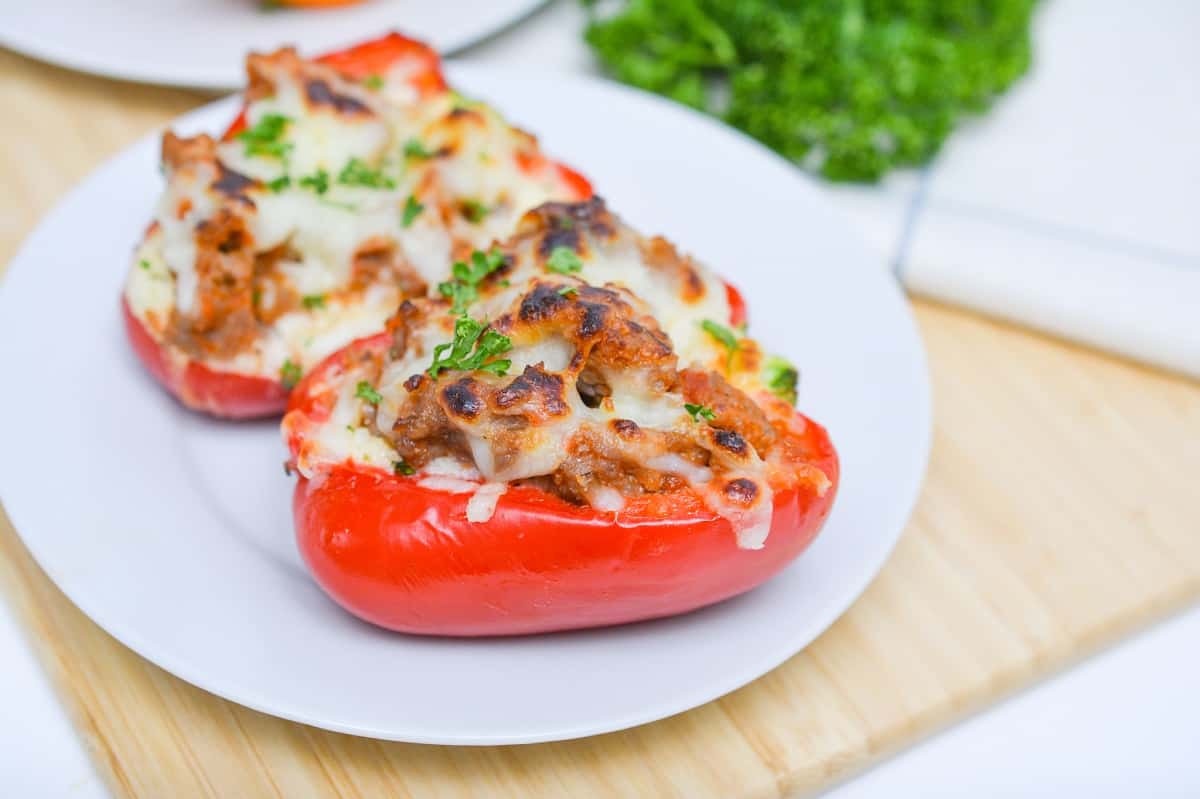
point(290, 373)
point(472, 345)
point(473, 211)
point(699, 411)
point(413, 148)
point(279, 184)
point(357, 173)
point(255, 297)
point(463, 289)
point(460, 295)
point(373, 82)
point(365, 391)
point(317, 181)
point(564, 261)
point(567, 291)
point(313, 301)
point(144, 264)
point(781, 378)
point(412, 209)
point(401, 466)
point(724, 335)
point(266, 137)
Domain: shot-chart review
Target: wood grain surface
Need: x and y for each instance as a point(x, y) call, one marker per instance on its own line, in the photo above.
point(1059, 512)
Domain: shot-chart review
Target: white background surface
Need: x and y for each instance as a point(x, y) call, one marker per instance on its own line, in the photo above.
point(1122, 724)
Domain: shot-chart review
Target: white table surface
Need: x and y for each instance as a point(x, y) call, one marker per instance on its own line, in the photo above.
point(1121, 724)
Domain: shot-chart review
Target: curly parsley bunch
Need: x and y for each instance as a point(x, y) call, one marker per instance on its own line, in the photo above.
point(847, 88)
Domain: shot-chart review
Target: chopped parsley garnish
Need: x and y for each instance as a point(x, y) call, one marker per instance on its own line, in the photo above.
point(463, 289)
point(473, 344)
point(781, 378)
point(373, 82)
point(413, 148)
point(317, 181)
point(266, 137)
point(698, 412)
point(473, 211)
point(401, 466)
point(564, 261)
point(412, 209)
point(567, 291)
point(290, 373)
point(365, 391)
point(357, 173)
point(724, 335)
point(279, 184)
point(460, 295)
point(313, 301)
point(255, 297)
point(144, 264)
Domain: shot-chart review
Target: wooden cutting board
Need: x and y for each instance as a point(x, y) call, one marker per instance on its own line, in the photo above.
point(1060, 511)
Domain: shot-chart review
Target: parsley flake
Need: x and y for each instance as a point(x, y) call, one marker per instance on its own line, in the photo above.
point(473, 211)
point(144, 264)
point(723, 335)
point(313, 301)
point(697, 412)
point(290, 373)
point(317, 181)
point(412, 209)
point(357, 173)
point(564, 261)
point(464, 288)
point(401, 466)
point(472, 345)
point(373, 82)
point(567, 291)
point(279, 184)
point(781, 378)
point(265, 137)
point(413, 148)
point(365, 391)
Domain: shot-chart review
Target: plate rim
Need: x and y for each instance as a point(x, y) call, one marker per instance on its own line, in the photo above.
point(818, 623)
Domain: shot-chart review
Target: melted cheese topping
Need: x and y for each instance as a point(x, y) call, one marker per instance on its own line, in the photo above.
point(530, 305)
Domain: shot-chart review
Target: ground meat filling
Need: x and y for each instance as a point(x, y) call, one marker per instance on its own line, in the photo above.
point(222, 322)
point(610, 339)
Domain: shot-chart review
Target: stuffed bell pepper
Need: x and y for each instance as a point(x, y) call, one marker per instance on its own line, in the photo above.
point(573, 431)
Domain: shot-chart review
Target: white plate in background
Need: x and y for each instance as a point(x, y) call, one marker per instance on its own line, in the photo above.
point(173, 532)
point(202, 43)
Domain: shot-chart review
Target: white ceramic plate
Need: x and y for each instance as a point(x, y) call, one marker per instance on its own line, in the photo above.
point(202, 43)
point(173, 532)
